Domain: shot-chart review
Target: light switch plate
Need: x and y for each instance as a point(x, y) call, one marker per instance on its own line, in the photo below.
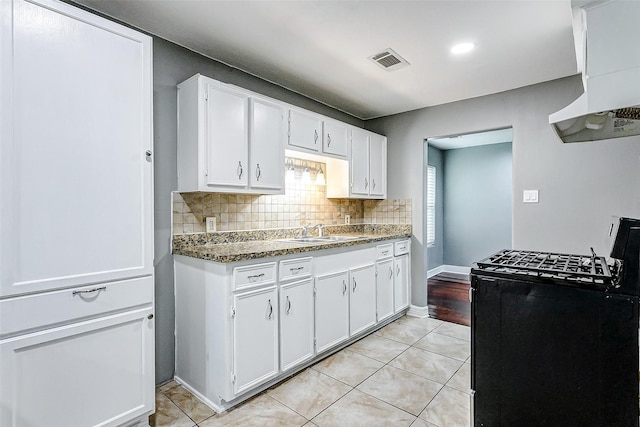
point(530, 196)
point(211, 224)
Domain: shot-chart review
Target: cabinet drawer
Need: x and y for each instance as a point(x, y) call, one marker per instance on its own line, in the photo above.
point(36, 312)
point(402, 248)
point(384, 251)
point(295, 268)
point(254, 275)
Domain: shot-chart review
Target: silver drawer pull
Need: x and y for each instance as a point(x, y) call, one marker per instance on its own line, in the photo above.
point(270, 310)
point(385, 252)
point(344, 287)
point(255, 276)
point(355, 284)
point(89, 291)
point(390, 272)
point(288, 305)
point(295, 270)
point(397, 270)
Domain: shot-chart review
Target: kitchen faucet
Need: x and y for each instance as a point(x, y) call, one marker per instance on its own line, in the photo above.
point(307, 228)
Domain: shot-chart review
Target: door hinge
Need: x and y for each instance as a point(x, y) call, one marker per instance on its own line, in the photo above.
point(206, 95)
point(205, 172)
point(233, 312)
point(315, 291)
point(233, 378)
point(315, 343)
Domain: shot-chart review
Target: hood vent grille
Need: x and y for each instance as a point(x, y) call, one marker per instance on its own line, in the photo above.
point(389, 60)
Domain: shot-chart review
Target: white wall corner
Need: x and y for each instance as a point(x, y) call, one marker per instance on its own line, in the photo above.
point(416, 311)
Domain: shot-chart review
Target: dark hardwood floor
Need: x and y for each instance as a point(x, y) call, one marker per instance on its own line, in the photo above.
point(448, 297)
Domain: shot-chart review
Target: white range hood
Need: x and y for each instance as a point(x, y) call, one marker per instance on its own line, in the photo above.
point(608, 53)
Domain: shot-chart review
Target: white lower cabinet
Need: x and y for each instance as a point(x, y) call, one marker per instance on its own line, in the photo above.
point(93, 373)
point(384, 289)
point(402, 282)
point(332, 309)
point(296, 323)
point(362, 307)
point(255, 337)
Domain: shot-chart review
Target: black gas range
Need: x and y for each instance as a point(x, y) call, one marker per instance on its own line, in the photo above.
point(555, 336)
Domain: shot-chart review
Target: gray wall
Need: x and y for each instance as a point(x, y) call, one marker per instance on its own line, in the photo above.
point(477, 202)
point(581, 185)
point(171, 65)
point(435, 253)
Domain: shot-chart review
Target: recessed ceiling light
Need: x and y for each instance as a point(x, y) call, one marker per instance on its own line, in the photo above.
point(462, 48)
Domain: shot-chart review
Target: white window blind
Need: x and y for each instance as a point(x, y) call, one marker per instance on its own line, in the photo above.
point(431, 205)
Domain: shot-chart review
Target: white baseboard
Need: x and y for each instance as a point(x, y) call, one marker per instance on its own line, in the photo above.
point(448, 269)
point(417, 311)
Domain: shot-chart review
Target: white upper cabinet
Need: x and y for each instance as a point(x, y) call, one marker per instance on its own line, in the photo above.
point(75, 149)
point(229, 139)
point(312, 133)
point(364, 176)
point(336, 138)
point(305, 130)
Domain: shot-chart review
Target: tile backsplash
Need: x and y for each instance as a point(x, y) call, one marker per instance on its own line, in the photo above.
point(301, 204)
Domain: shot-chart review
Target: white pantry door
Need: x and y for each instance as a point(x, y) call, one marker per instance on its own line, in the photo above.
point(75, 128)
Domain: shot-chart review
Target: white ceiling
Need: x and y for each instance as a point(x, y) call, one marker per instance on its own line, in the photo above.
point(321, 48)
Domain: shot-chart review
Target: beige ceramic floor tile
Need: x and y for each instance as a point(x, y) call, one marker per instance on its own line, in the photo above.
point(189, 404)
point(349, 367)
point(359, 409)
point(379, 348)
point(166, 386)
point(402, 389)
point(309, 392)
point(425, 323)
point(462, 379)
point(168, 414)
point(454, 330)
point(449, 408)
point(422, 423)
point(259, 412)
point(405, 332)
point(445, 345)
point(426, 364)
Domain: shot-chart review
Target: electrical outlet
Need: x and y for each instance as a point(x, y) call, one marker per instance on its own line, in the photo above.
point(211, 224)
point(347, 219)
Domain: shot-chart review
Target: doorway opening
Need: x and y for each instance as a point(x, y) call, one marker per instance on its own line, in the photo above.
point(468, 209)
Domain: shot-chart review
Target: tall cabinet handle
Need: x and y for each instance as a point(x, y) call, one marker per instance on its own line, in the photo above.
point(240, 170)
point(390, 272)
point(373, 184)
point(315, 136)
point(328, 140)
point(288, 305)
point(355, 284)
point(270, 308)
point(366, 183)
point(397, 270)
point(344, 287)
point(258, 172)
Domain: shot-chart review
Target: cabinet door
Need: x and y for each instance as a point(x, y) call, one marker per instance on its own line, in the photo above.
point(401, 282)
point(227, 136)
point(359, 162)
point(362, 313)
point(97, 372)
point(296, 323)
point(336, 138)
point(75, 125)
point(377, 165)
point(384, 289)
point(266, 147)
point(255, 338)
point(332, 309)
point(305, 131)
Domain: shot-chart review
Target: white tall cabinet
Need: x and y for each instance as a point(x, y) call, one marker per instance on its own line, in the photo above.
point(76, 219)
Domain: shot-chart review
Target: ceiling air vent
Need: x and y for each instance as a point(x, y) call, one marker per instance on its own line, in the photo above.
point(389, 60)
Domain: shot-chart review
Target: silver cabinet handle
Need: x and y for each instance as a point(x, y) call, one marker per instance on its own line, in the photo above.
point(385, 252)
point(288, 305)
point(258, 172)
point(315, 136)
point(255, 276)
point(295, 270)
point(150, 316)
point(89, 291)
point(397, 270)
point(366, 183)
point(270, 309)
point(344, 287)
point(373, 184)
point(390, 272)
point(240, 170)
point(355, 284)
point(328, 140)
